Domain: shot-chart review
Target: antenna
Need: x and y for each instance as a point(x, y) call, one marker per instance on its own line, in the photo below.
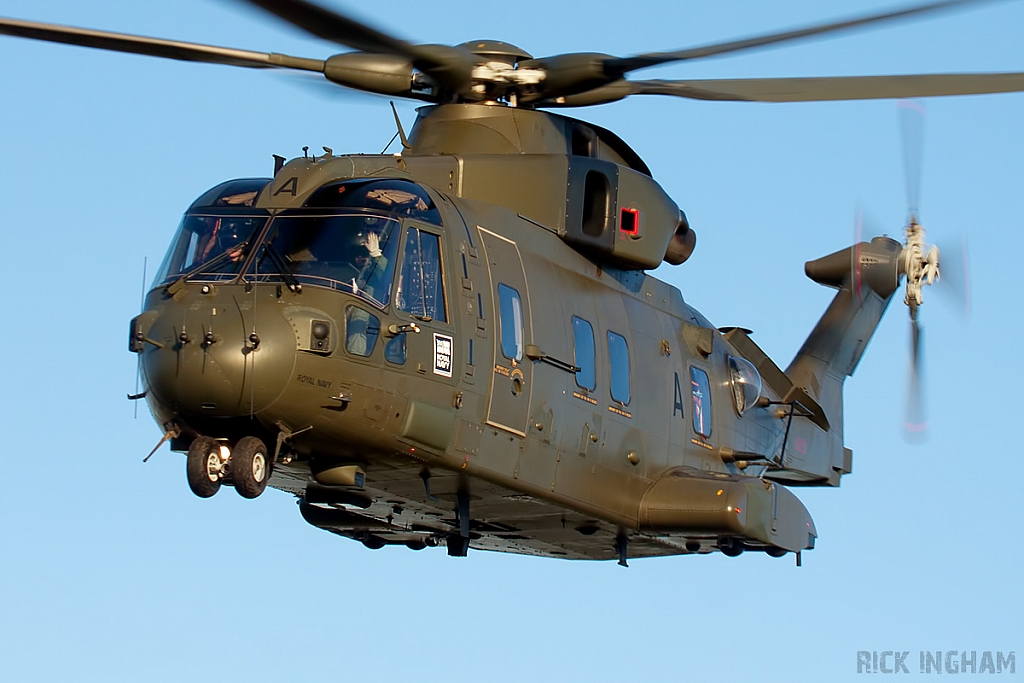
point(401, 132)
point(142, 307)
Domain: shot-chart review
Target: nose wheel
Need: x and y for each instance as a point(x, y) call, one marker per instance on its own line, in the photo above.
point(205, 468)
point(210, 463)
point(250, 467)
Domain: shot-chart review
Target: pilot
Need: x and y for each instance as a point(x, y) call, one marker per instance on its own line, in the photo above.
point(367, 259)
point(369, 278)
point(222, 236)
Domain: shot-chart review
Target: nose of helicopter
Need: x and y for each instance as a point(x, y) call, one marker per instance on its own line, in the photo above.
point(218, 355)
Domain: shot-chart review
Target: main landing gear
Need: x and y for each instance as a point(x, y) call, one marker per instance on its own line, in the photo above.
point(212, 463)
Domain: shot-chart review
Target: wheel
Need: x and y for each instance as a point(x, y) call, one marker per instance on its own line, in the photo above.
point(776, 551)
point(733, 549)
point(374, 542)
point(250, 467)
point(204, 467)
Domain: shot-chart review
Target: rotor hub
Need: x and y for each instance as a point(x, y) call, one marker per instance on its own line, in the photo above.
point(496, 51)
point(919, 262)
point(497, 75)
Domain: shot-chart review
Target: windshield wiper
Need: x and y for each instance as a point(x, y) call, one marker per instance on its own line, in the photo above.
point(286, 272)
point(240, 248)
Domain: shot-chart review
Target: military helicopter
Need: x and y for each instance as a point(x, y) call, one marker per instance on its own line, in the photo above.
point(457, 345)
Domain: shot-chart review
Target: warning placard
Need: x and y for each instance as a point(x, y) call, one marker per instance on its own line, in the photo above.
point(442, 355)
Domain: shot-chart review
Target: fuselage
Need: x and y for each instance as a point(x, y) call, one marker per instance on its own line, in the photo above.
point(485, 359)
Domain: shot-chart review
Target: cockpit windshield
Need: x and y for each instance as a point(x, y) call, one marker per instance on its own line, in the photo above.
point(212, 244)
point(345, 237)
point(216, 232)
point(355, 253)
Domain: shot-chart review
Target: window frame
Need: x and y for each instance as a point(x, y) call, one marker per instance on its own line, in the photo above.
point(412, 224)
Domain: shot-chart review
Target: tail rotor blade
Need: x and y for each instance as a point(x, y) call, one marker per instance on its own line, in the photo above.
point(915, 424)
point(912, 135)
point(955, 284)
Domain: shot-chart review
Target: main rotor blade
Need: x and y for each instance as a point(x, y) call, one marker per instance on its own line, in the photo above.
point(616, 68)
point(155, 47)
point(831, 88)
point(330, 25)
point(449, 66)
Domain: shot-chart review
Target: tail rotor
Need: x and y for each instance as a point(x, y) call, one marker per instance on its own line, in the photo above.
point(919, 262)
point(918, 266)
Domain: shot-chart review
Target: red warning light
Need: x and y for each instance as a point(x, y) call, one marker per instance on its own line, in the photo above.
point(629, 221)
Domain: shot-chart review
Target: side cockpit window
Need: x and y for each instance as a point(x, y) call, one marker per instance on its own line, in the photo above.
point(361, 331)
point(421, 287)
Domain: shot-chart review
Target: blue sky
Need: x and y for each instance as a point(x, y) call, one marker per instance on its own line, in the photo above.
point(113, 570)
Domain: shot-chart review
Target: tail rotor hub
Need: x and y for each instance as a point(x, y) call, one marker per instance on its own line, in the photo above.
point(920, 264)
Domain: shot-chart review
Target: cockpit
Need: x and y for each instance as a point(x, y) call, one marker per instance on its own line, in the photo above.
point(216, 232)
point(345, 237)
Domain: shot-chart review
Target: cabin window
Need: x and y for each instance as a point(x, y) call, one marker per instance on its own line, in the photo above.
point(511, 309)
point(700, 389)
point(618, 360)
point(596, 193)
point(583, 344)
point(421, 285)
point(361, 331)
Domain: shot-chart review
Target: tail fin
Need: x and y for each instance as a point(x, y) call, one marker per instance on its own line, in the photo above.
point(815, 455)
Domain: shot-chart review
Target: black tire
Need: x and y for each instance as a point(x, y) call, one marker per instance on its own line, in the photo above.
point(775, 551)
point(374, 542)
point(733, 549)
point(250, 467)
point(203, 467)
